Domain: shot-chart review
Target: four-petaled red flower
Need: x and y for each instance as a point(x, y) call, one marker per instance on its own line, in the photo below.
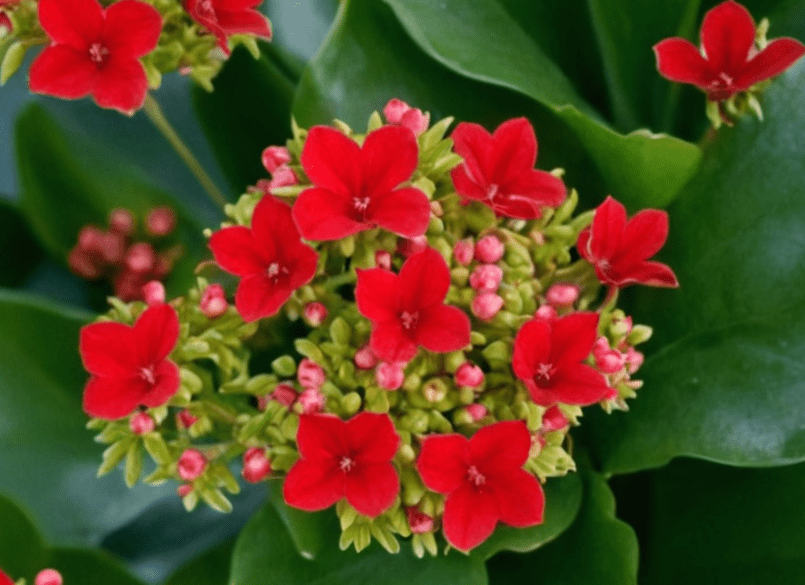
point(344, 459)
point(129, 365)
point(731, 62)
point(228, 17)
point(483, 480)
point(95, 51)
point(271, 259)
point(499, 171)
point(548, 356)
point(619, 249)
point(408, 310)
point(357, 188)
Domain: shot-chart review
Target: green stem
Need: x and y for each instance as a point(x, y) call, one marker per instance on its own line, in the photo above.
point(156, 115)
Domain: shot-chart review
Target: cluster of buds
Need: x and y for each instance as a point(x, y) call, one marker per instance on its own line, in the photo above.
point(126, 256)
point(43, 577)
point(445, 342)
point(94, 49)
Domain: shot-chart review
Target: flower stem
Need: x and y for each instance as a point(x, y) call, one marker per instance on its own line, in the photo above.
point(157, 116)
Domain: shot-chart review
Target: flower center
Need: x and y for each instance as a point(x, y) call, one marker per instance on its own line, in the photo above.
point(409, 319)
point(360, 203)
point(346, 464)
point(492, 191)
point(275, 270)
point(148, 375)
point(205, 9)
point(475, 477)
point(98, 53)
point(545, 371)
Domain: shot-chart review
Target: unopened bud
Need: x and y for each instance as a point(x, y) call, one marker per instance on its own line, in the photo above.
point(489, 249)
point(486, 305)
point(399, 113)
point(256, 465)
point(562, 294)
point(140, 257)
point(48, 577)
point(160, 221)
point(389, 375)
point(282, 177)
point(154, 292)
point(141, 423)
point(213, 301)
point(476, 411)
point(546, 312)
point(275, 157)
point(121, 221)
point(383, 259)
point(111, 247)
point(284, 394)
point(621, 327)
point(311, 401)
point(634, 359)
point(486, 278)
point(191, 464)
point(83, 264)
point(463, 251)
point(184, 490)
point(365, 358)
point(434, 390)
point(553, 420)
point(90, 238)
point(409, 246)
point(315, 314)
point(418, 522)
point(310, 375)
point(609, 362)
point(185, 420)
point(468, 375)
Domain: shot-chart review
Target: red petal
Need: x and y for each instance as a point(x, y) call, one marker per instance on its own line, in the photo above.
point(121, 85)
point(376, 294)
point(443, 328)
point(321, 214)
point(5, 579)
point(405, 212)
point(572, 338)
point(502, 446)
point(442, 462)
point(258, 297)
point(244, 21)
point(391, 343)
point(389, 157)
point(778, 56)
point(371, 488)
point(63, 72)
point(372, 437)
point(679, 60)
point(728, 34)
point(132, 28)
point(607, 229)
point(423, 281)
point(645, 234)
point(469, 517)
point(167, 383)
point(211, 25)
point(235, 251)
point(273, 228)
point(155, 334)
point(107, 350)
point(532, 346)
point(578, 384)
point(520, 499)
point(78, 23)
point(313, 485)
point(321, 437)
point(514, 149)
point(649, 274)
point(474, 144)
point(113, 398)
point(524, 196)
point(465, 186)
point(332, 162)
point(302, 262)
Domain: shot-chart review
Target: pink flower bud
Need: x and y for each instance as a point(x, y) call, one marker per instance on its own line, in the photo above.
point(275, 157)
point(83, 264)
point(476, 411)
point(562, 294)
point(284, 394)
point(310, 375)
point(191, 464)
point(601, 346)
point(262, 186)
point(463, 251)
point(184, 490)
point(401, 114)
point(256, 465)
point(365, 358)
point(128, 286)
point(140, 258)
point(383, 259)
point(486, 305)
point(111, 247)
point(553, 420)
point(90, 238)
point(436, 208)
point(48, 577)
point(154, 292)
point(282, 177)
point(418, 521)
point(486, 278)
point(408, 246)
point(622, 327)
point(213, 301)
point(489, 249)
point(546, 312)
point(468, 375)
point(389, 375)
point(634, 359)
point(141, 423)
point(312, 401)
point(121, 221)
point(185, 420)
point(160, 221)
point(315, 314)
point(607, 360)
point(537, 443)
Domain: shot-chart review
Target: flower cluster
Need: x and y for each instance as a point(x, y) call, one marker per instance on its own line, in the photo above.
point(445, 339)
point(43, 577)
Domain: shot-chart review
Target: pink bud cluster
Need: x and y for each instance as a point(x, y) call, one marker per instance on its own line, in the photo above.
point(275, 160)
point(487, 275)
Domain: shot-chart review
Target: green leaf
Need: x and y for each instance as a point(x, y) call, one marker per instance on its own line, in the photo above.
point(300, 27)
point(717, 525)
point(49, 459)
point(15, 235)
point(89, 567)
point(211, 568)
point(727, 384)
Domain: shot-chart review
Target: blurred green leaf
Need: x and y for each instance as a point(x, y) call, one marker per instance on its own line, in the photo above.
point(211, 568)
point(15, 235)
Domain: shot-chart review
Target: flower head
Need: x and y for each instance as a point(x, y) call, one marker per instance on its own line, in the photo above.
point(483, 480)
point(270, 259)
point(344, 459)
point(357, 188)
point(548, 358)
point(498, 170)
point(729, 61)
point(619, 248)
point(224, 18)
point(408, 310)
point(129, 365)
point(95, 51)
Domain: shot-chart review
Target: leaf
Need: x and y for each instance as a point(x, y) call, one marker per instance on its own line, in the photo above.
point(211, 568)
point(717, 525)
point(43, 439)
point(727, 384)
point(15, 235)
point(89, 567)
point(300, 27)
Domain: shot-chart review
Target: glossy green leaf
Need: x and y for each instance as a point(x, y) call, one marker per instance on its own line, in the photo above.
point(49, 460)
point(15, 235)
point(726, 384)
point(713, 525)
point(211, 568)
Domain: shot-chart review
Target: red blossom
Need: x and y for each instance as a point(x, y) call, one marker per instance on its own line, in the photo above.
point(341, 459)
point(619, 249)
point(228, 17)
point(356, 188)
point(408, 310)
point(129, 365)
point(729, 61)
point(95, 51)
point(5, 579)
point(548, 358)
point(483, 480)
point(270, 259)
point(498, 170)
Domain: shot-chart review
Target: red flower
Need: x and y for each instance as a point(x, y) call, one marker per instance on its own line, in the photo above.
point(270, 258)
point(408, 310)
point(129, 365)
point(498, 170)
point(228, 17)
point(731, 62)
point(619, 249)
point(548, 357)
point(356, 188)
point(483, 480)
point(340, 459)
point(5, 579)
point(95, 51)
